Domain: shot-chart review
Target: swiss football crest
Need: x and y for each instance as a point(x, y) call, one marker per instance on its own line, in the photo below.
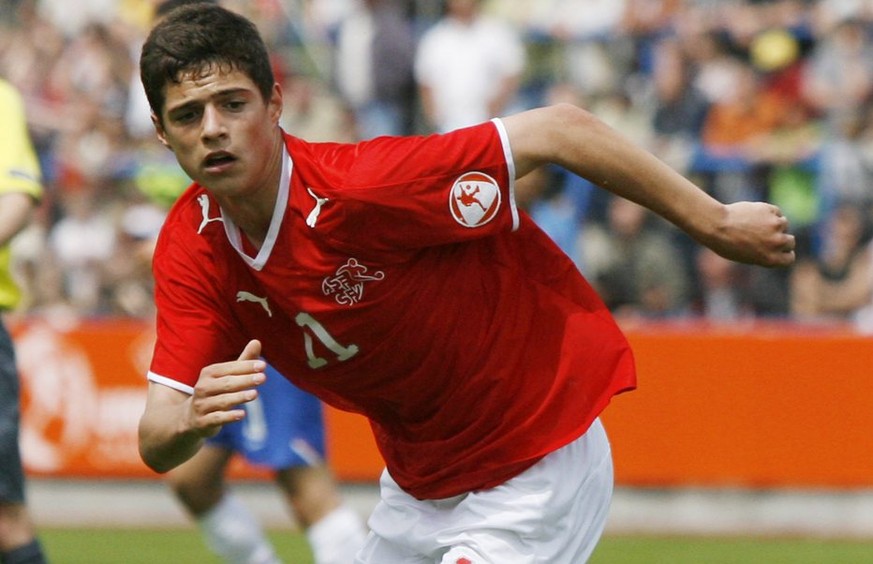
point(474, 199)
point(347, 285)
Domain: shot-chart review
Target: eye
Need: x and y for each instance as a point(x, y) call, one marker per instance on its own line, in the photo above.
point(235, 105)
point(185, 116)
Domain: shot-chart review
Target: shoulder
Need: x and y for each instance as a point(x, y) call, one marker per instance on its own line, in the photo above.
point(389, 159)
point(188, 204)
point(187, 221)
point(399, 160)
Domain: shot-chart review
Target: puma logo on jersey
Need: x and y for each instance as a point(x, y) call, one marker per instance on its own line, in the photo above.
point(474, 199)
point(312, 218)
point(203, 200)
point(244, 296)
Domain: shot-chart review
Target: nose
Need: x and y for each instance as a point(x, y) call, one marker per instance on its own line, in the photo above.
point(213, 124)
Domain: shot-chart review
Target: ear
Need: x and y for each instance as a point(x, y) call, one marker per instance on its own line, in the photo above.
point(159, 130)
point(275, 104)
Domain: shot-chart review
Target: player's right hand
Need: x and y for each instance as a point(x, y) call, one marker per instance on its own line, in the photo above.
point(222, 388)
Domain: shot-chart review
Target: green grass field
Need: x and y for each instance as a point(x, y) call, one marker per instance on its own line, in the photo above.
point(183, 546)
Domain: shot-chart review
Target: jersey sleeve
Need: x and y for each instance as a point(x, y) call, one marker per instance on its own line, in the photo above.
point(402, 193)
point(190, 315)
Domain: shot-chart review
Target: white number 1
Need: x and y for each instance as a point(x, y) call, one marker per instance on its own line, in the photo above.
point(255, 424)
point(342, 353)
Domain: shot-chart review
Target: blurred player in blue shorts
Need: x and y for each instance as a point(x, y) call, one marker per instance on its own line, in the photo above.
point(283, 430)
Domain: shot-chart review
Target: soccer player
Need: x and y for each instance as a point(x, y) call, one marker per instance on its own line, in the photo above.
point(396, 278)
point(283, 430)
point(20, 191)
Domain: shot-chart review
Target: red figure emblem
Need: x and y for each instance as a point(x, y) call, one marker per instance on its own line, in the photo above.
point(474, 199)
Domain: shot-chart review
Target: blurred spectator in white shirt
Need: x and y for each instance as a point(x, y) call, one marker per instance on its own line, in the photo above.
point(468, 67)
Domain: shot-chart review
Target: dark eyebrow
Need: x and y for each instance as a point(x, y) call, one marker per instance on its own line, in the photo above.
point(231, 92)
point(186, 106)
point(227, 93)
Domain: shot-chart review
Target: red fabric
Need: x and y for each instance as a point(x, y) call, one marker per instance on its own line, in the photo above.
point(474, 349)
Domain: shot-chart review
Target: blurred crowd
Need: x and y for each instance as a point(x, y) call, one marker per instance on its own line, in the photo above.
point(752, 99)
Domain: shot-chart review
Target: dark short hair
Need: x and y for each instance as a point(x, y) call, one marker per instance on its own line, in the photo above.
point(196, 39)
point(168, 6)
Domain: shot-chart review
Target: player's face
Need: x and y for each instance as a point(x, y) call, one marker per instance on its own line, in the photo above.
point(223, 134)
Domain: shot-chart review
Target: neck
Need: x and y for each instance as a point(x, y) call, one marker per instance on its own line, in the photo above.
point(253, 211)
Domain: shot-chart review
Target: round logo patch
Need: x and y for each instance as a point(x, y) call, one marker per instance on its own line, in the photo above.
point(474, 199)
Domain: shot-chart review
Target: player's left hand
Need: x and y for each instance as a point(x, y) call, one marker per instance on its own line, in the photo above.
point(753, 233)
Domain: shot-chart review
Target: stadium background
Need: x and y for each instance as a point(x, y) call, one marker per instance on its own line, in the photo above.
point(754, 421)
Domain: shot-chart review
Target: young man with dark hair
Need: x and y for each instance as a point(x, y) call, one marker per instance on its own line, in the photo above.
point(283, 431)
point(396, 278)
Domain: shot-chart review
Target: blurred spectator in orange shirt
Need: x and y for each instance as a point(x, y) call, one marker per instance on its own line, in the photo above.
point(744, 116)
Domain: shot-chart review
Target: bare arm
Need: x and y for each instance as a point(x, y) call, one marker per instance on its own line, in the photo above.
point(852, 293)
point(174, 424)
point(15, 211)
point(751, 232)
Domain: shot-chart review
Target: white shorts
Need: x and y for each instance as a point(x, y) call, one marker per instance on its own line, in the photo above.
point(553, 513)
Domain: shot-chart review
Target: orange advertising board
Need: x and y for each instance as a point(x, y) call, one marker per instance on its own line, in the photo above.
point(83, 389)
point(761, 406)
point(743, 406)
point(82, 392)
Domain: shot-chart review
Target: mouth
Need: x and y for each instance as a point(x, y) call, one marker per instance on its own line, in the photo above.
point(218, 161)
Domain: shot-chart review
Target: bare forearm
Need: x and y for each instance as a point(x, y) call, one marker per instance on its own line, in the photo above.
point(848, 295)
point(586, 146)
point(752, 232)
point(167, 437)
point(164, 443)
point(834, 301)
point(174, 424)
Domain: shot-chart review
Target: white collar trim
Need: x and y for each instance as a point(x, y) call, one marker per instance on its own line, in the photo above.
point(234, 235)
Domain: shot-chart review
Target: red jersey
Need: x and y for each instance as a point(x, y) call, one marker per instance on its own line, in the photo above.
point(399, 281)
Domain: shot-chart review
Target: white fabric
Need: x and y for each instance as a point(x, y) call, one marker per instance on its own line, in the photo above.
point(552, 513)
point(233, 533)
point(337, 537)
